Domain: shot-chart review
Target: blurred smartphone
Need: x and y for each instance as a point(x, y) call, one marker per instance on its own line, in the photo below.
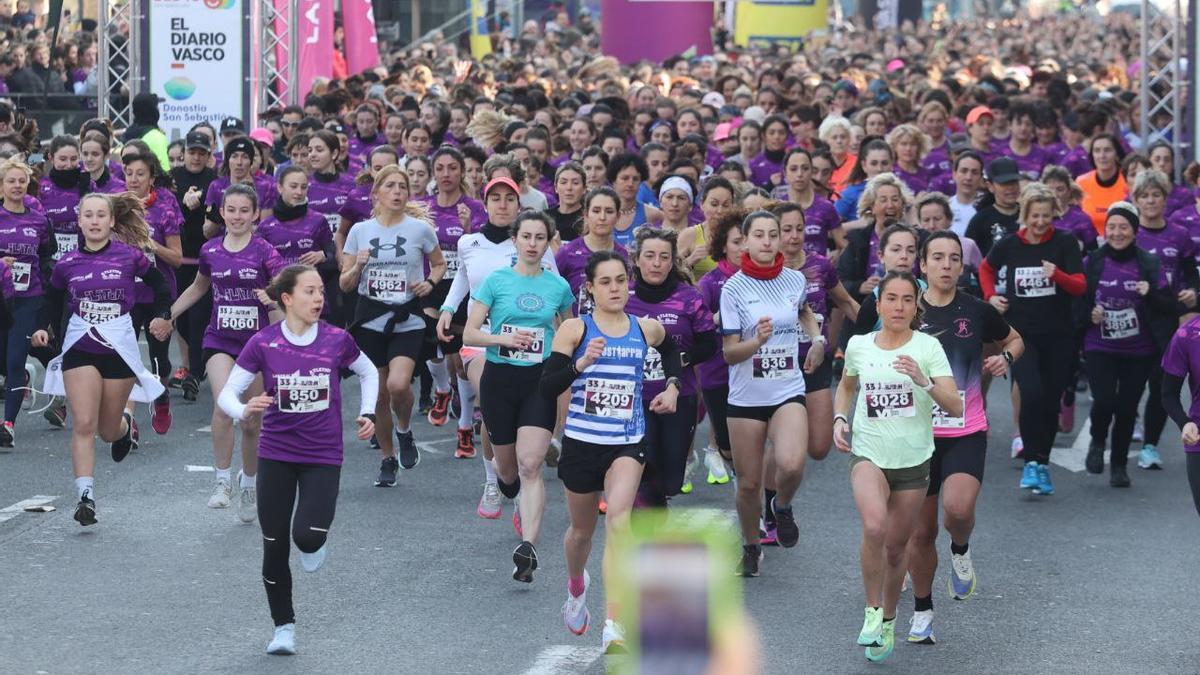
point(678, 590)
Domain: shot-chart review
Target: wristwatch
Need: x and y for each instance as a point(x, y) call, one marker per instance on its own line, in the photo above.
point(928, 387)
point(841, 417)
point(675, 381)
point(1008, 357)
point(818, 339)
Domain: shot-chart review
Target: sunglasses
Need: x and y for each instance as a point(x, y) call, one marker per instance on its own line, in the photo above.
point(289, 125)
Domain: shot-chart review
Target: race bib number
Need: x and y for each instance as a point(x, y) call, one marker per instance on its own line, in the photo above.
point(609, 398)
point(537, 348)
point(333, 220)
point(451, 263)
point(98, 312)
point(889, 400)
point(774, 362)
point(237, 318)
point(653, 366)
point(387, 284)
point(1119, 324)
point(944, 421)
point(302, 393)
point(1032, 282)
point(21, 272)
point(66, 243)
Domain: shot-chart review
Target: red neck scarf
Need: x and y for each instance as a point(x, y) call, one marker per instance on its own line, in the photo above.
point(150, 198)
point(762, 272)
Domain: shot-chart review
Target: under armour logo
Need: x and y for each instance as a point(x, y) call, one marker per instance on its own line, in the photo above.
point(397, 247)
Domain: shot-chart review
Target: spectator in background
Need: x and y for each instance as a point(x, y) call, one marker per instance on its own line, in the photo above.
point(145, 127)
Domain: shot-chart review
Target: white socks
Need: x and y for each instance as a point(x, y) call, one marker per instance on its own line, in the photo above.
point(247, 482)
point(225, 475)
point(86, 484)
point(489, 469)
point(466, 396)
point(440, 374)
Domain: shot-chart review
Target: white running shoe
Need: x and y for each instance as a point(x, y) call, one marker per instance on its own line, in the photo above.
point(284, 642)
point(311, 562)
point(575, 611)
point(962, 576)
point(613, 638)
point(1018, 447)
point(222, 495)
point(718, 474)
point(921, 630)
point(489, 503)
point(248, 504)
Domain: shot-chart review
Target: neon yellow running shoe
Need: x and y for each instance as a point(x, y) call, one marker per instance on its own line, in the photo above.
point(887, 642)
point(686, 488)
point(872, 624)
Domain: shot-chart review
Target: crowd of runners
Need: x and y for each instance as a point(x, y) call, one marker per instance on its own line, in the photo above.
point(840, 249)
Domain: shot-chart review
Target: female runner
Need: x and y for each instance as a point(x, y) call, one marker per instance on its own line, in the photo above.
point(300, 452)
point(893, 443)
point(237, 268)
point(522, 306)
point(100, 367)
point(601, 357)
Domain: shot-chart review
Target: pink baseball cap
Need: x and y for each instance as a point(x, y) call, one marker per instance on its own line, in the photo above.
point(263, 135)
point(501, 180)
point(723, 131)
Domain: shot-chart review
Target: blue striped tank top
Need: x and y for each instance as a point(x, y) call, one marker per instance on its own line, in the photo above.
point(606, 398)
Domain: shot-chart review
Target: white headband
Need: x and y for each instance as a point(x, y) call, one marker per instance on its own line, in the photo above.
point(676, 183)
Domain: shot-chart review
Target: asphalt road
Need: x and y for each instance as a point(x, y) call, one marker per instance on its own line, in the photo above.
point(1091, 579)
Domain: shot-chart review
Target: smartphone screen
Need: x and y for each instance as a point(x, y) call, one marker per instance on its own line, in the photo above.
point(673, 608)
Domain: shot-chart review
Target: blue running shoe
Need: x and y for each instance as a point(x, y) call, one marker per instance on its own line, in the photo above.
point(1044, 486)
point(962, 576)
point(1149, 458)
point(1029, 477)
point(921, 631)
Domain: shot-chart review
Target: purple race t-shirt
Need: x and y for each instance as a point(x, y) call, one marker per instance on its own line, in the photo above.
point(165, 220)
point(1171, 244)
point(449, 228)
point(571, 261)
point(917, 181)
point(304, 422)
point(360, 149)
point(112, 186)
point(328, 198)
point(21, 236)
point(1030, 165)
point(1077, 223)
point(237, 313)
point(1182, 359)
point(714, 373)
point(762, 169)
point(358, 205)
point(1189, 219)
point(821, 279)
point(264, 187)
point(937, 162)
point(294, 238)
point(684, 315)
point(61, 206)
point(100, 284)
point(7, 290)
point(1180, 198)
point(820, 219)
point(1124, 328)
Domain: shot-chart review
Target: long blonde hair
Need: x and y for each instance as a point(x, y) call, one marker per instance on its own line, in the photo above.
point(418, 210)
point(129, 218)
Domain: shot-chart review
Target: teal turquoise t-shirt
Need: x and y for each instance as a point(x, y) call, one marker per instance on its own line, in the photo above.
point(518, 302)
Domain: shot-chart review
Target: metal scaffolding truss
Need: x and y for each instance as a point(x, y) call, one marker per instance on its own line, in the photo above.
point(120, 73)
point(276, 42)
point(1164, 77)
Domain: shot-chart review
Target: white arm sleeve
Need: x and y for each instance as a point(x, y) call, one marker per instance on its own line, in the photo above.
point(459, 288)
point(230, 399)
point(368, 383)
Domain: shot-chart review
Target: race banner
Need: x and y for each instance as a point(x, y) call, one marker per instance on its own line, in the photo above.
point(362, 43)
point(313, 24)
point(481, 41)
point(632, 30)
point(765, 22)
point(197, 61)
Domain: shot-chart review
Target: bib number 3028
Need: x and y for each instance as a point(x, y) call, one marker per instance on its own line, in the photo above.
point(888, 400)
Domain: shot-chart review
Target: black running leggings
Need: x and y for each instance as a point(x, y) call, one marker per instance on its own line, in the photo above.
point(1043, 374)
point(666, 444)
point(1117, 382)
point(277, 483)
point(160, 350)
point(1193, 471)
point(1155, 417)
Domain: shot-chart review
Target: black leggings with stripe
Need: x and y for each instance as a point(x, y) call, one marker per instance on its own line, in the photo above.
point(277, 485)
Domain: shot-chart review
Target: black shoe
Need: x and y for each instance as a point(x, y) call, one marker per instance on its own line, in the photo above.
point(751, 556)
point(387, 472)
point(190, 386)
point(786, 529)
point(85, 511)
point(121, 447)
point(455, 403)
point(525, 560)
point(1118, 477)
point(374, 442)
point(7, 437)
point(410, 457)
point(1095, 458)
